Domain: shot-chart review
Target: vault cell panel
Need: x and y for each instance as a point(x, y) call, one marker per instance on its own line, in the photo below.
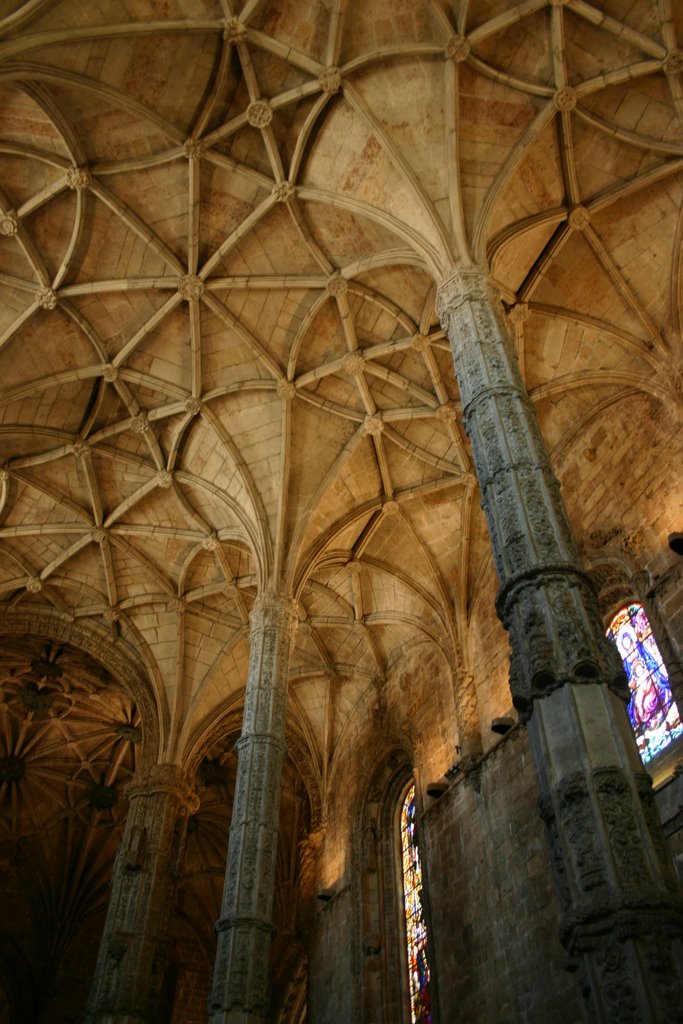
point(159, 197)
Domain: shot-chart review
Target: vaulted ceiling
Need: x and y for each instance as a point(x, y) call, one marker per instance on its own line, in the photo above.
point(221, 230)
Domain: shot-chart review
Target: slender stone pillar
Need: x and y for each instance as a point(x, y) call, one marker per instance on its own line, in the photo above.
point(621, 916)
point(245, 928)
point(131, 972)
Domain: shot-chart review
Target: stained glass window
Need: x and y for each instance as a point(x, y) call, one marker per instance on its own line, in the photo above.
point(416, 928)
point(654, 716)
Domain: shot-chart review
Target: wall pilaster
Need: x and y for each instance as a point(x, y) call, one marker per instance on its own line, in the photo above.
point(240, 988)
point(134, 954)
point(621, 912)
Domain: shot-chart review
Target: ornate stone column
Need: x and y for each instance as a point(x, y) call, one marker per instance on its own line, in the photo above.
point(132, 964)
point(621, 918)
point(240, 985)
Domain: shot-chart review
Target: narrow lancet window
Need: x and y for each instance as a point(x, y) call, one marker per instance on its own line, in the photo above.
point(416, 927)
point(654, 716)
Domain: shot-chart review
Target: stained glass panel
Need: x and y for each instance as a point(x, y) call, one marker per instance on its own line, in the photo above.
point(416, 928)
point(653, 712)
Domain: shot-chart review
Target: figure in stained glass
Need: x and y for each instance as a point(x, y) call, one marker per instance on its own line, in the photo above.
point(653, 712)
point(416, 928)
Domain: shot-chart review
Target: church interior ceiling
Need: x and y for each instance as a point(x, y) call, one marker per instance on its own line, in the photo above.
point(222, 226)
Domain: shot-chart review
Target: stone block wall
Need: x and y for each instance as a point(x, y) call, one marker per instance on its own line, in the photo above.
point(494, 913)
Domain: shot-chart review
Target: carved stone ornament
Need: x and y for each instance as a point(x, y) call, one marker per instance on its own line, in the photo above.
point(110, 373)
point(565, 98)
point(519, 313)
point(111, 614)
point(373, 425)
point(98, 535)
point(457, 49)
point(673, 63)
point(194, 149)
point(259, 114)
point(140, 424)
point(353, 364)
point(467, 284)
point(78, 178)
point(286, 390)
point(446, 413)
point(391, 508)
point(579, 218)
point(235, 31)
point(633, 543)
point(330, 80)
point(211, 542)
point(80, 449)
point(337, 285)
point(9, 225)
point(193, 406)
point(419, 342)
point(284, 191)
point(190, 287)
point(34, 585)
point(4, 476)
point(164, 479)
point(47, 298)
point(176, 604)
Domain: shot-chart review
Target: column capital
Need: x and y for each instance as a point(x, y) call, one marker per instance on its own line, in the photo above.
point(169, 779)
point(463, 285)
point(275, 611)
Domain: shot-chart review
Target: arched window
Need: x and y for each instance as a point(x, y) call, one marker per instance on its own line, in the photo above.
point(415, 923)
point(654, 716)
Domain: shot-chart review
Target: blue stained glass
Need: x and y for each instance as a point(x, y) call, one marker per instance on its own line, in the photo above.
point(653, 712)
point(416, 928)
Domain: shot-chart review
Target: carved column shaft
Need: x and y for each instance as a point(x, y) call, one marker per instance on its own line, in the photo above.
point(133, 956)
point(240, 987)
point(620, 911)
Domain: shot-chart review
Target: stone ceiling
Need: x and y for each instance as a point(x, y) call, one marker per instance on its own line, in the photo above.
point(221, 230)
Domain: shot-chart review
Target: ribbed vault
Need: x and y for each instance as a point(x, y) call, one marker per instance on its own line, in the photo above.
point(222, 226)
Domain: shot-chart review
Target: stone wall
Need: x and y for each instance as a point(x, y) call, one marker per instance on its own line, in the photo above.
point(491, 893)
